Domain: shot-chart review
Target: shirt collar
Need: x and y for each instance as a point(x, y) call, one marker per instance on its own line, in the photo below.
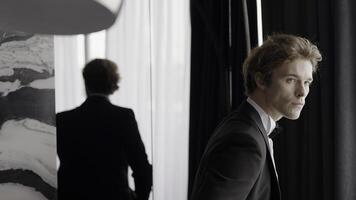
point(98, 95)
point(268, 123)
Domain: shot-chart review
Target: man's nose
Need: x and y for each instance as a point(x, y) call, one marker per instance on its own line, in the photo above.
point(301, 90)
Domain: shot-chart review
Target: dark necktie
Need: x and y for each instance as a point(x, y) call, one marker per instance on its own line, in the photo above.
point(277, 130)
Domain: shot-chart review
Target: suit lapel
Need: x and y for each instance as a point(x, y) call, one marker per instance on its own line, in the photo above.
point(255, 117)
point(253, 114)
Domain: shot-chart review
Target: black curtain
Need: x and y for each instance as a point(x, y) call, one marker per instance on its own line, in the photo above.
point(345, 99)
point(315, 155)
point(218, 48)
point(209, 75)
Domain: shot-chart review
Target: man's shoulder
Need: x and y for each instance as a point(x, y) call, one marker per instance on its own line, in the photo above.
point(236, 132)
point(237, 125)
point(67, 118)
point(237, 122)
point(240, 117)
point(121, 110)
point(67, 113)
point(245, 117)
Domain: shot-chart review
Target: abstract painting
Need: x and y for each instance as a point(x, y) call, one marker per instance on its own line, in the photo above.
point(27, 117)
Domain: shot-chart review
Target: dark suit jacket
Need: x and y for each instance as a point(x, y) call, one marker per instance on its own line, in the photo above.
point(236, 164)
point(96, 143)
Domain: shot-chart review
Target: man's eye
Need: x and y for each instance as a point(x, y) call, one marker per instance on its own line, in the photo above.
point(308, 83)
point(290, 80)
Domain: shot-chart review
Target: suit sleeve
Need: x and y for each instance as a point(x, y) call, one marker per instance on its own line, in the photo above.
point(137, 158)
point(230, 169)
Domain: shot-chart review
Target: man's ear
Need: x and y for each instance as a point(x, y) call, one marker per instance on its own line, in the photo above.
point(260, 83)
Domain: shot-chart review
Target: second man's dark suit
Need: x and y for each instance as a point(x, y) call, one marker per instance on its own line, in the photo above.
point(236, 164)
point(96, 143)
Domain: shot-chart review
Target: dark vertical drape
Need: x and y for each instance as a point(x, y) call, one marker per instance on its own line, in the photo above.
point(315, 155)
point(209, 75)
point(218, 49)
point(345, 99)
point(238, 49)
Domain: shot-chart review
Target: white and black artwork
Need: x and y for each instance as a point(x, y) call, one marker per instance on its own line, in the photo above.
point(27, 117)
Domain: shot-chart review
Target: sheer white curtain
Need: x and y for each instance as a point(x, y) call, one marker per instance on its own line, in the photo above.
point(68, 62)
point(170, 22)
point(150, 42)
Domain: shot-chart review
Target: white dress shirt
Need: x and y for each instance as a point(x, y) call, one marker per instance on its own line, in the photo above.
point(268, 123)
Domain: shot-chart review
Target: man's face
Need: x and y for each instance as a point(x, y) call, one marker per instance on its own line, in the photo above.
point(285, 96)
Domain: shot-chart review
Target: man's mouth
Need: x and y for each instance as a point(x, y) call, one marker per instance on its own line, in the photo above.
point(298, 104)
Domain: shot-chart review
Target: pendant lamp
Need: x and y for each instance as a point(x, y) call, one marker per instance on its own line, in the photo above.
point(60, 17)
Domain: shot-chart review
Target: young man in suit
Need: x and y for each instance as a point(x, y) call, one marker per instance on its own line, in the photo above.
point(97, 141)
point(238, 161)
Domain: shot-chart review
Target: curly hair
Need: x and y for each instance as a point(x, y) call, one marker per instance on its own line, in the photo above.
point(274, 52)
point(101, 76)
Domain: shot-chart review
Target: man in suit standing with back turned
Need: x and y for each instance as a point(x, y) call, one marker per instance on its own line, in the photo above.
point(238, 160)
point(98, 141)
